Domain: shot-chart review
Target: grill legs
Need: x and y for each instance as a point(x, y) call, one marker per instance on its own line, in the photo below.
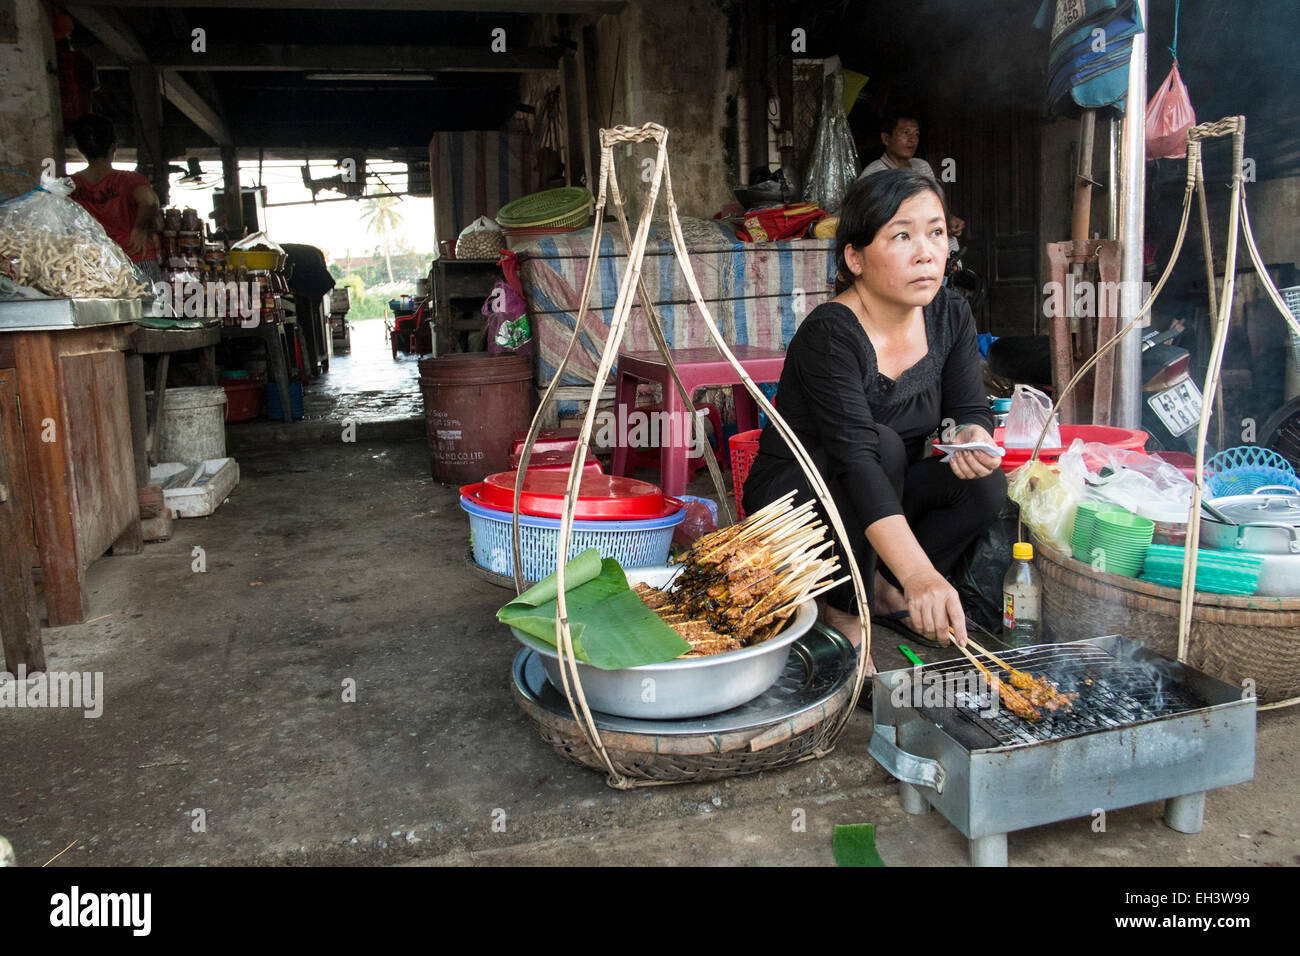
point(989, 850)
point(1186, 814)
point(912, 799)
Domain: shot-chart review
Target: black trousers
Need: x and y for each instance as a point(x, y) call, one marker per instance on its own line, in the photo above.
point(945, 513)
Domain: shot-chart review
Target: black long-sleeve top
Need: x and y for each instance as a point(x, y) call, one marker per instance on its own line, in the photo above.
point(833, 397)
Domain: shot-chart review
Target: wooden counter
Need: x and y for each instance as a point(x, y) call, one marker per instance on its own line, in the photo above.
point(71, 421)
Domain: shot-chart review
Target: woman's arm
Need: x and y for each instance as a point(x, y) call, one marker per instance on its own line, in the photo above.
point(932, 603)
point(146, 213)
point(964, 399)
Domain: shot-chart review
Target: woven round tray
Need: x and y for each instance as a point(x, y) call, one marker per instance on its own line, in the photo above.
point(1232, 638)
point(563, 207)
point(793, 721)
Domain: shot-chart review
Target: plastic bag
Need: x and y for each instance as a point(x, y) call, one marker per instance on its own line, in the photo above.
point(62, 250)
point(779, 222)
point(834, 162)
point(1029, 411)
point(978, 574)
point(1047, 503)
point(481, 239)
point(1169, 117)
point(508, 330)
point(701, 519)
point(1131, 479)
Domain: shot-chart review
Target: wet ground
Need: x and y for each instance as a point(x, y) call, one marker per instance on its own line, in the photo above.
point(313, 675)
point(366, 384)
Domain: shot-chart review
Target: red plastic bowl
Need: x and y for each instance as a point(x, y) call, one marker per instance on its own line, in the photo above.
point(1132, 439)
point(600, 497)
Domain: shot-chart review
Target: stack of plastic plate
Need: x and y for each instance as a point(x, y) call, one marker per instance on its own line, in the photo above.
point(1084, 522)
point(1216, 572)
point(1121, 539)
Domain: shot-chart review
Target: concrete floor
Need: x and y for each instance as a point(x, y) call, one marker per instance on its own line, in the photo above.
point(336, 562)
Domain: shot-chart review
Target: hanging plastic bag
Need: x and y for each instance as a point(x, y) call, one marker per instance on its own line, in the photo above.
point(1030, 409)
point(834, 163)
point(1169, 117)
point(481, 239)
point(60, 249)
point(509, 330)
point(1047, 503)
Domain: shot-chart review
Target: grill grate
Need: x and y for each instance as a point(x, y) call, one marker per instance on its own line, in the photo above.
point(1112, 692)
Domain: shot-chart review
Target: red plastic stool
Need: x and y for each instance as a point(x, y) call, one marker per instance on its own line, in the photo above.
point(649, 457)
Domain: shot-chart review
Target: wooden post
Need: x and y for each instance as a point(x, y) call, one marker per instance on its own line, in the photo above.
point(234, 197)
point(151, 159)
point(20, 631)
point(1081, 220)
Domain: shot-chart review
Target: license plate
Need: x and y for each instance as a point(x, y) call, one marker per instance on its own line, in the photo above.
point(1179, 407)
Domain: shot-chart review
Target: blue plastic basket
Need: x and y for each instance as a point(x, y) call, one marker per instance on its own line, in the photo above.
point(1240, 470)
point(634, 544)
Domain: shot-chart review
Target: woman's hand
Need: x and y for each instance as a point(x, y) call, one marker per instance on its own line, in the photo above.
point(933, 606)
point(973, 464)
point(139, 241)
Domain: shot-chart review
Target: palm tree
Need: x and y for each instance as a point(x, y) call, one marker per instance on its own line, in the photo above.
point(380, 215)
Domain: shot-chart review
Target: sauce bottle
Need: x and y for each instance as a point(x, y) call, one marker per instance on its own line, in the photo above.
point(1021, 619)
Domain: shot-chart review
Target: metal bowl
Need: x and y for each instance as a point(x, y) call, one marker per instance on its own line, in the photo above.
point(686, 687)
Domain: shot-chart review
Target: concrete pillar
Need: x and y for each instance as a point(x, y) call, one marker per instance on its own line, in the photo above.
point(31, 118)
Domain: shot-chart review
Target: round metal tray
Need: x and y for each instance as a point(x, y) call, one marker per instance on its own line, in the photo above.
point(821, 662)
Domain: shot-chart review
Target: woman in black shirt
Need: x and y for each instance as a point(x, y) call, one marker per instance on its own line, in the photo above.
point(869, 376)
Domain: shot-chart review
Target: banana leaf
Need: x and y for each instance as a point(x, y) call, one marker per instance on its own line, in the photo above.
point(611, 626)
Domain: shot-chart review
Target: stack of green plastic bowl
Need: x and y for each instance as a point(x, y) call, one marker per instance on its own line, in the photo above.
point(1122, 540)
point(1216, 572)
point(1084, 522)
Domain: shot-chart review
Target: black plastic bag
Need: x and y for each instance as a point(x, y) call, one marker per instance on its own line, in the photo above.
point(978, 575)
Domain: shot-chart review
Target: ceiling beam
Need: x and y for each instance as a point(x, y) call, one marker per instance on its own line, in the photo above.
point(187, 99)
point(119, 39)
point(333, 57)
point(408, 6)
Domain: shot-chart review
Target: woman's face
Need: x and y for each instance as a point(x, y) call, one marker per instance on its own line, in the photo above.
point(904, 263)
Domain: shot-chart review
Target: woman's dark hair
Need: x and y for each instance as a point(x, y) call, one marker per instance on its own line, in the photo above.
point(94, 135)
point(870, 203)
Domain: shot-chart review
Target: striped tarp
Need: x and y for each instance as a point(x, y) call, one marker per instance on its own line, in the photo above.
point(756, 292)
point(475, 173)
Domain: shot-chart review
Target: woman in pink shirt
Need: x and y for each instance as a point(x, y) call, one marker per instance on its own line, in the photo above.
point(123, 202)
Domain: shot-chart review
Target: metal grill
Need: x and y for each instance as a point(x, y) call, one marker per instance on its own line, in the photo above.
point(1113, 692)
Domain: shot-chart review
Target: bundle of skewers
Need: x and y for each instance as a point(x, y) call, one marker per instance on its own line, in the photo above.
point(1025, 693)
point(739, 585)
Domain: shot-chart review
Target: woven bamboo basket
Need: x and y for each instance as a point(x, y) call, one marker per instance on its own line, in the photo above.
point(1236, 639)
point(696, 757)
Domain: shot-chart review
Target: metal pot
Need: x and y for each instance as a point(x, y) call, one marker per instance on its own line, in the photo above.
point(1267, 525)
point(687, 687)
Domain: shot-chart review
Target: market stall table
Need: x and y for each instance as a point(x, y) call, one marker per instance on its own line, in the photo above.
point(697, 368)
point(68, 412)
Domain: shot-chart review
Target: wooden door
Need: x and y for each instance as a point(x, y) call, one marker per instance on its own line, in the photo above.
point(988, 164)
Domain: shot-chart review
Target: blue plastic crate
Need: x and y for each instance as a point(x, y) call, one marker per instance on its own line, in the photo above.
point(634, 544)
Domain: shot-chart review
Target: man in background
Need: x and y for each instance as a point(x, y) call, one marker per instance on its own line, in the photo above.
point(123, 202)
point(901, 134)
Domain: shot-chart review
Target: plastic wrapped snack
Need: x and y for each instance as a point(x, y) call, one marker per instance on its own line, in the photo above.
point(481, 239)
point(56, 246)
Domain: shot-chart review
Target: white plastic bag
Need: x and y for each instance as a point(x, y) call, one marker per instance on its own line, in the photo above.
point(1029, 411)
point(62, 250)
point(481, 239)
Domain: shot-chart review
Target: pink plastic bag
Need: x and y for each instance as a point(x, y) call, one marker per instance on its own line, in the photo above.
point(1169, 117)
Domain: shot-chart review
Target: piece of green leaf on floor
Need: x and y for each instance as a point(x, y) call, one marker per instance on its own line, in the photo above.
point(854, 844)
